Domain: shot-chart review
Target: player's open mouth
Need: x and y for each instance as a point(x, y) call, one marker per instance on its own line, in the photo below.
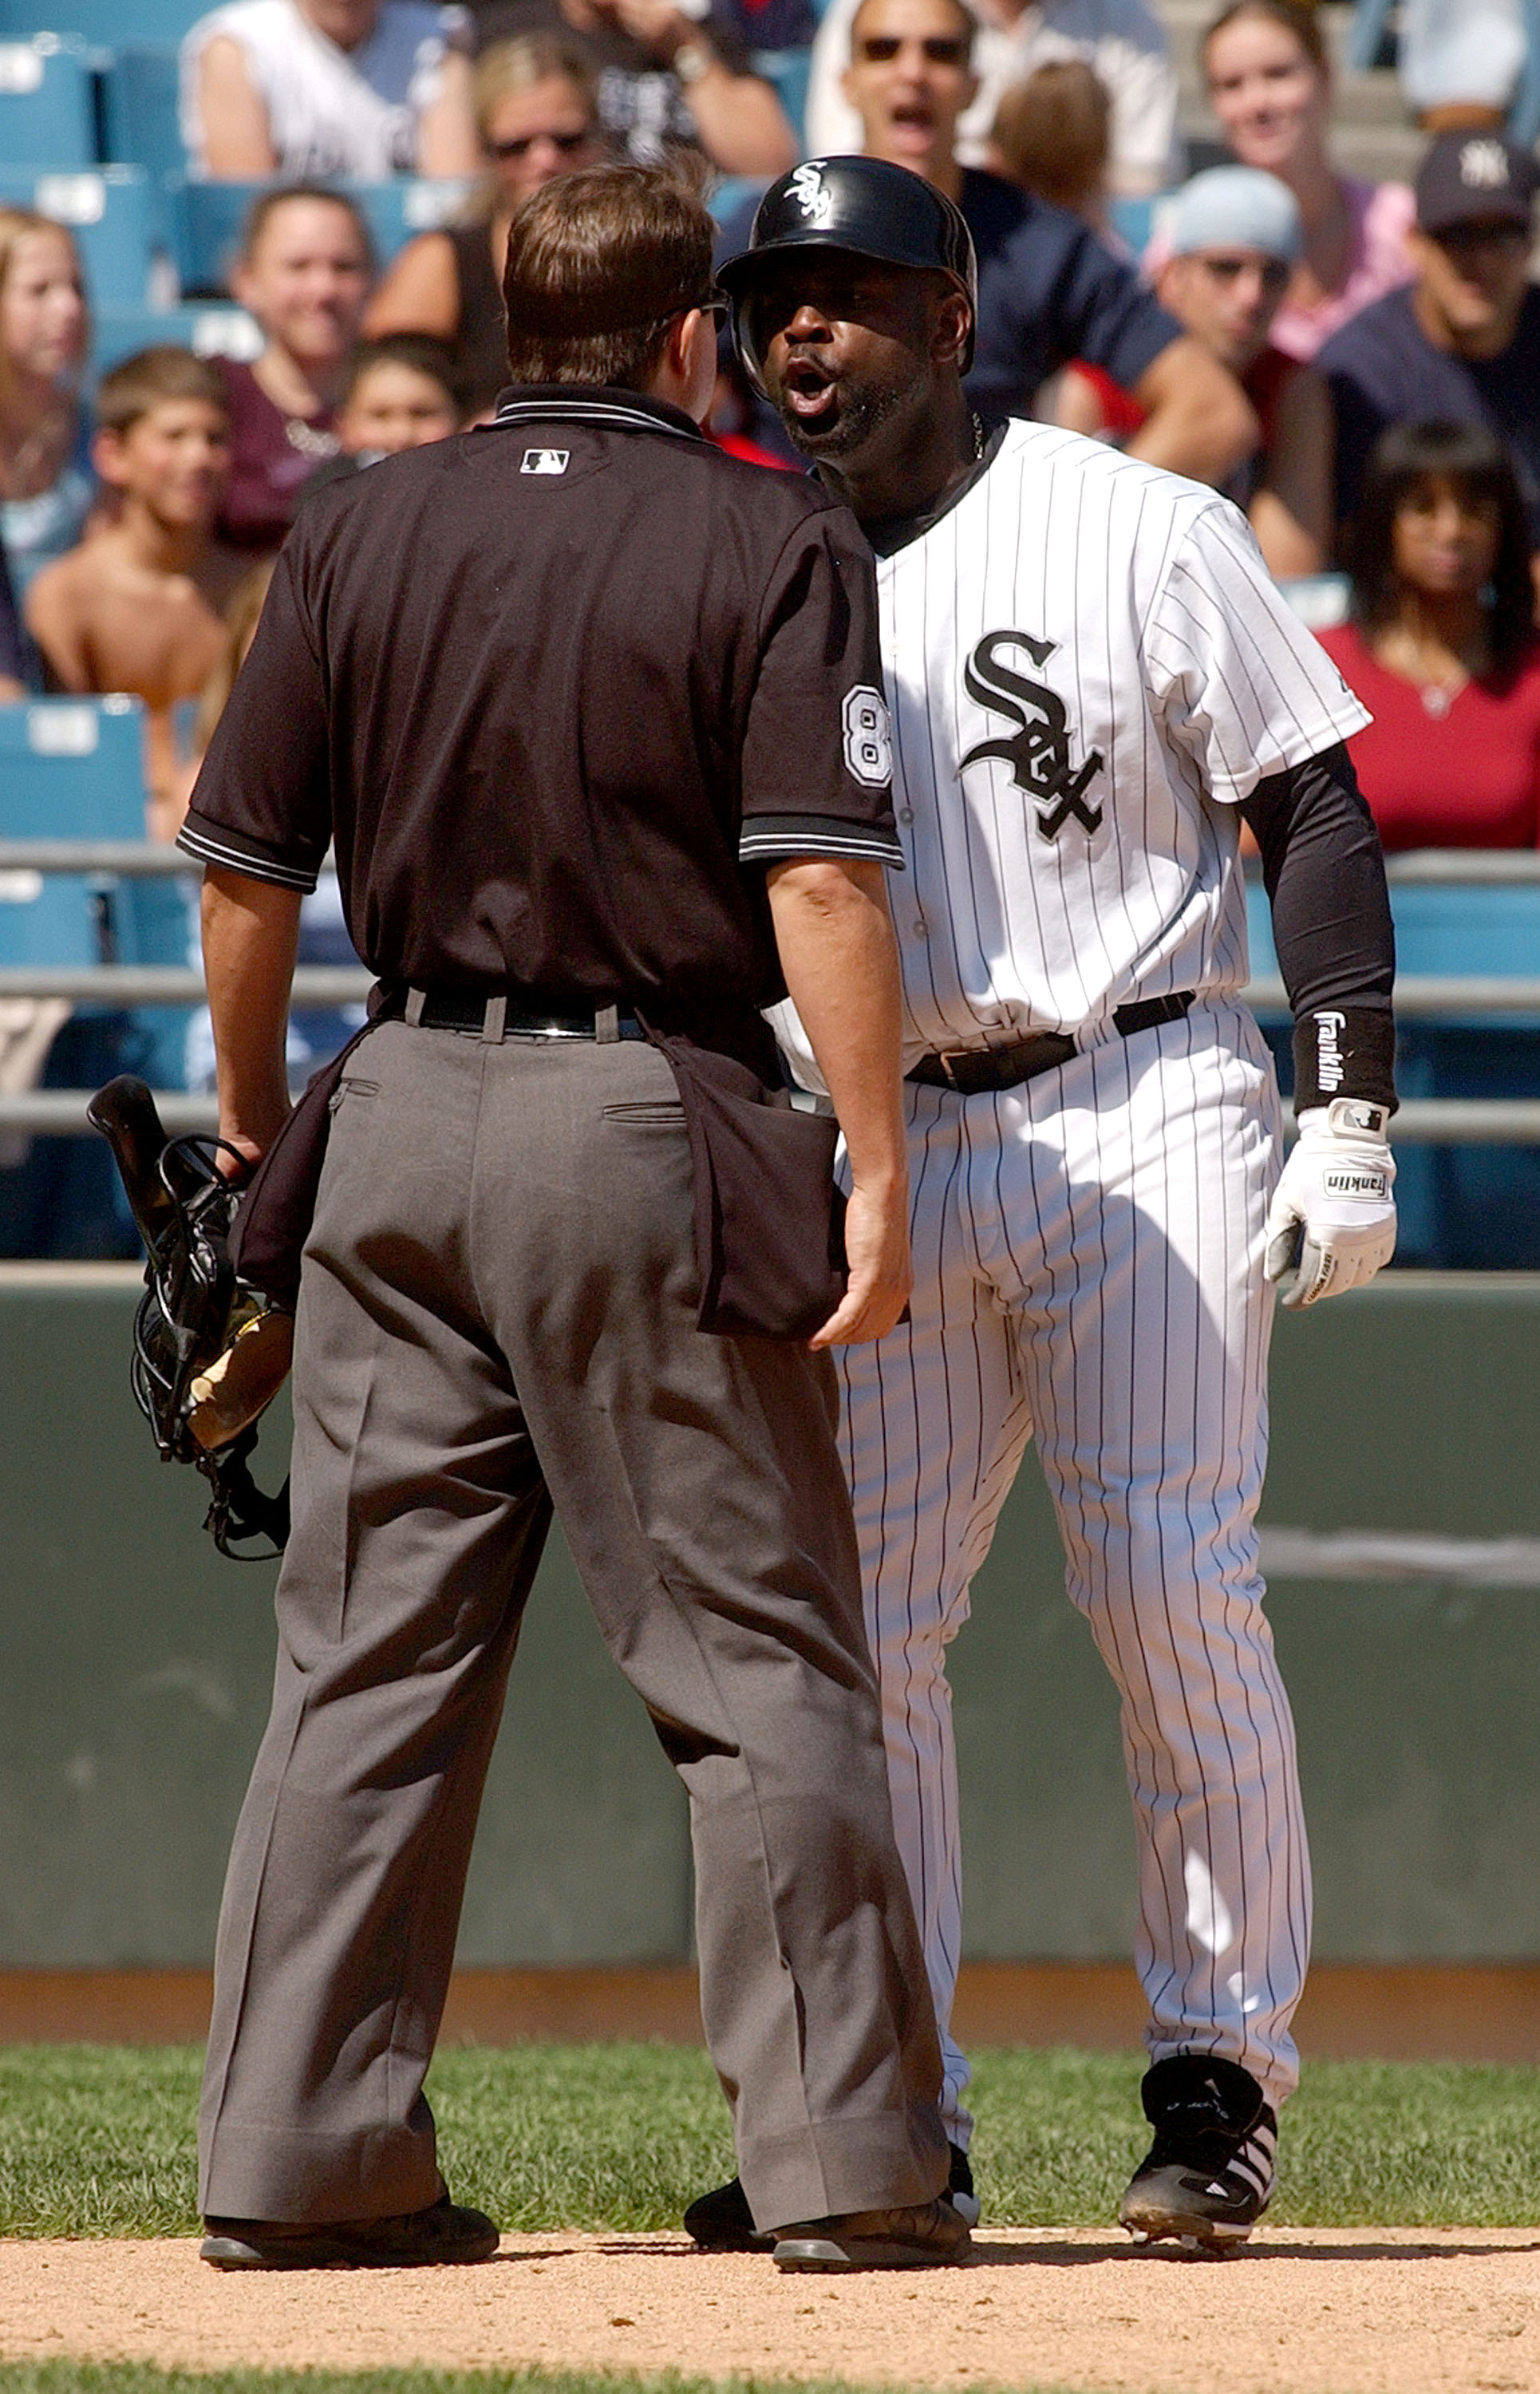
point(810, 393)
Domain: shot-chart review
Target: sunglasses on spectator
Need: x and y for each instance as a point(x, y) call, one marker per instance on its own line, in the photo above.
point(940, 50)
point(1275, 271)
point(522, 143)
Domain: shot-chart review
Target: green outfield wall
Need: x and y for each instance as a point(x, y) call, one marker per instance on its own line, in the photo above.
point(134, 1666)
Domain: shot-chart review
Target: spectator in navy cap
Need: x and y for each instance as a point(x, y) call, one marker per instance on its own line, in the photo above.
point(1462, 343)
point(1231, 240)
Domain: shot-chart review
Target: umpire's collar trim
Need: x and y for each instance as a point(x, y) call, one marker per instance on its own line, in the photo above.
point(617, 411)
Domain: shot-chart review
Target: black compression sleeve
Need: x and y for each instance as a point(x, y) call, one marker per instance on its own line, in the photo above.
point(1324, 875)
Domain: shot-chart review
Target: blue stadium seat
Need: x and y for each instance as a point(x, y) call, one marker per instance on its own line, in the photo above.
point(789, 70)
point(1134, 222)
point(736, 192)
point(139, 99)
point(1461, 1209)
point(118, 220)
point(209, 332)
point(69, 768)
point(206, 219)
point(162, 22)
point(48, 105)
point(73, 769)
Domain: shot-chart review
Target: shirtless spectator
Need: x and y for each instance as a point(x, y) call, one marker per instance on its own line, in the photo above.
point(1233, 240)
point(138, 606)
point(1048, 289)
point(669, 76)
point(312, 87)
point(304, 273)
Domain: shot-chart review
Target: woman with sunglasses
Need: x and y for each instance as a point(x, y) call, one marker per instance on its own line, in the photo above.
point(536, 117)
point(1232, 238)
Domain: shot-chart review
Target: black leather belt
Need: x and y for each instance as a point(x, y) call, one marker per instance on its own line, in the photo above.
point(972, 1069)
point(517, 1014)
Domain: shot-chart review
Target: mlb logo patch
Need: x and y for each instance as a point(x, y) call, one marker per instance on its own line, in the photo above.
point(545, 461)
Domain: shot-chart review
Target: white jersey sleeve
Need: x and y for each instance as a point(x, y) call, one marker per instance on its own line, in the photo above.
point(1240, 684)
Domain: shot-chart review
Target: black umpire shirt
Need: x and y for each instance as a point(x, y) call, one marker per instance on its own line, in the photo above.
point(555, 689)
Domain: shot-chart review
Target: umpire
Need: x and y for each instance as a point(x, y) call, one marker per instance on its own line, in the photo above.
point(592, 716)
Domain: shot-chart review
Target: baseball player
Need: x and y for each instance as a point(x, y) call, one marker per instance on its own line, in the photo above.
point(1092, 684)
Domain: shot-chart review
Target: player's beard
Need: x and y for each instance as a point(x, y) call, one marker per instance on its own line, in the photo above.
point(863, 409)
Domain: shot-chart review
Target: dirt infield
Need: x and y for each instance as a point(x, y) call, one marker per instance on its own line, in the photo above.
point(1302, 2311)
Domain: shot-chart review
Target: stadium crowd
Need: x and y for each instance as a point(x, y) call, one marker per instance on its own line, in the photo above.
point(1355, 363)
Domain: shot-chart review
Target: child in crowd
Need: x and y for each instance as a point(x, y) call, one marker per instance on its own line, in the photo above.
point(1053, 136)
point(138, 606)
point(400, 392)
point(304, 273)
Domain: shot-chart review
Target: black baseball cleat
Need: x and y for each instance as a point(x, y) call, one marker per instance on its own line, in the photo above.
point(1209, 2177)
point(922, 2236)
point(722, 2222)
point(444, 2232)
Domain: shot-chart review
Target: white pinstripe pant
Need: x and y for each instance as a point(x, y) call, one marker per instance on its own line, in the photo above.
point(1088, 1264)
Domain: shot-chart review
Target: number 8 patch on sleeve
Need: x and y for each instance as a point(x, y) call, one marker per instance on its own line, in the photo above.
point(868, 736)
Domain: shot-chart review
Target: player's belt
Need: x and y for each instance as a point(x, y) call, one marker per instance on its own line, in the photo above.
point(972, 1069)
point(498, 1014)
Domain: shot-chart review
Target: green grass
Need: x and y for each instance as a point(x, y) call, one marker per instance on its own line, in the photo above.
point(143, 2378)
point(98, 2141)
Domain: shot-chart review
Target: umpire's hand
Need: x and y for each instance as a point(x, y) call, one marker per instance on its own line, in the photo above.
point(876, 1249)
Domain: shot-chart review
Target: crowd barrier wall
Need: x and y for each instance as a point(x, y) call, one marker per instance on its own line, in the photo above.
point(135, 1668)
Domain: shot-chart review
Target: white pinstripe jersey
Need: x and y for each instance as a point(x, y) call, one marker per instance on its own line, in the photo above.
point(1086, 667)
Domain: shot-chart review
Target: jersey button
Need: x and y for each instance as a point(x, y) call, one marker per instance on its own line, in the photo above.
point(922, 928)
point(906, 814)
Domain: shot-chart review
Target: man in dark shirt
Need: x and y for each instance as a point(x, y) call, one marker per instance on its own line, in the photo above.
point(1048, 290)
point(666, 77)
point(592, 716)
point(1462, 343)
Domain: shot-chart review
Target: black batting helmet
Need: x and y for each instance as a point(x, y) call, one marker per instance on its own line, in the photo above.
point(860, 204)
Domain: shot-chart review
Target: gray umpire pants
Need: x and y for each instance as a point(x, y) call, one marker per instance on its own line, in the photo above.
point(497, 1311)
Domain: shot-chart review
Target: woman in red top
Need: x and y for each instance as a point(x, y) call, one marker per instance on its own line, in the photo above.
point(1441, 646)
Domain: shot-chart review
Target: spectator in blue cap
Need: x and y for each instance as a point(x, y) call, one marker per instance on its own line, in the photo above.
point(1231, 241)
point(1462, 344)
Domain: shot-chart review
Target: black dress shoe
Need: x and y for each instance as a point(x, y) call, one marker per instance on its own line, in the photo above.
point(923, 2236)
point(722, 2222)
point(445, 2232)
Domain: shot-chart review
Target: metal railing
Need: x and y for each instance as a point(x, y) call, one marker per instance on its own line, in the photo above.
point(1508, 1122)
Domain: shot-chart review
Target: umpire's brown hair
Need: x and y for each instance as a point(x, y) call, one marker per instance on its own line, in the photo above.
point(599, 263)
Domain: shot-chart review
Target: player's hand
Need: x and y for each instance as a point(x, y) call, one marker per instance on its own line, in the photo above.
point(876, 1249)
point(1332, 1223)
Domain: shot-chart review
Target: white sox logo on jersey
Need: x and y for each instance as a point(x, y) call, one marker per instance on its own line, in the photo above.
point(1038, 751)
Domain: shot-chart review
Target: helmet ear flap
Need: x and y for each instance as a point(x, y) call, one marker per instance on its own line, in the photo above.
point(742, 341)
